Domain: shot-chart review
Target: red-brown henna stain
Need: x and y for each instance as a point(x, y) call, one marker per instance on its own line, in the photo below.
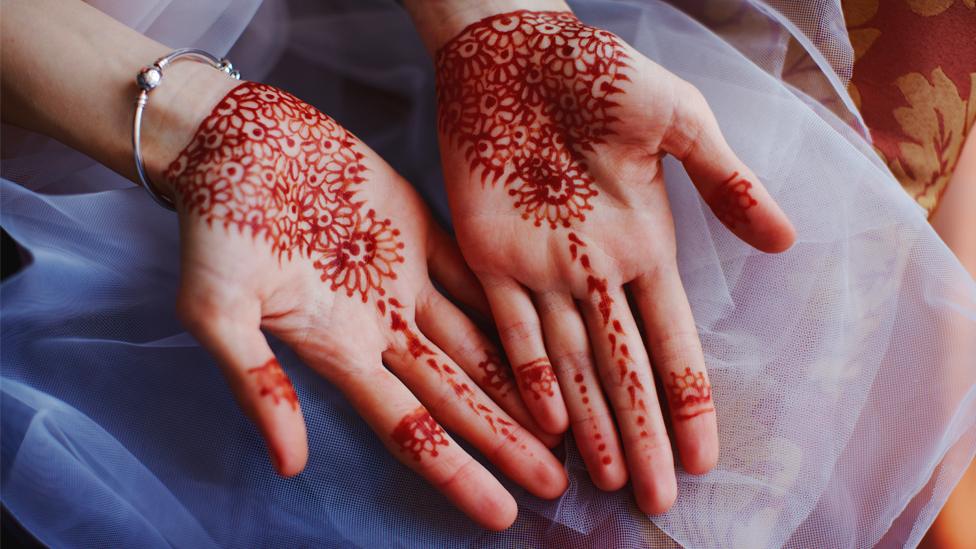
point(731, 200)
point(525, 94)
point(495, 374)
point(418, 434)
point(599, 288)
point(689, 394)
point(272, 165)
point(421, 352)
point(273, 381)
point(537, 377)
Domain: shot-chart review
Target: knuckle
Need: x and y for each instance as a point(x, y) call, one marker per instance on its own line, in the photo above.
point(518, 332)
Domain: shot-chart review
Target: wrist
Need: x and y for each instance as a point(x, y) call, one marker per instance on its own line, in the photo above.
point(187, 94)
point(438, 21)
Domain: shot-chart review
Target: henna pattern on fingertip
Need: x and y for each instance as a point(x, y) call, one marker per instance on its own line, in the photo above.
point(269, 164)
point(495, 375)
point(273, 381)
point(731, 200)
point(537, 377)
point(418, 433)
point(525, 94)
point(689, 394)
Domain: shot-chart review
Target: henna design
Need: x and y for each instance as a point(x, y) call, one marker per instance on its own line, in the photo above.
point(418, 433)
point(731, 200)
point(462, 390)
point(274, 382)
point(690, 394)
point(496, 375)
point(525, 94)
point(537, 377)
point(599, 287)
point(270, 164)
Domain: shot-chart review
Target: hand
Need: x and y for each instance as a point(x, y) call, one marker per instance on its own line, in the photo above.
point(552, 135)
point(291, 224)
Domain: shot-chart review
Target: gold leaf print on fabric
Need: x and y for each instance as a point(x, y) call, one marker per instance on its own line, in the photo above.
point(862, 40)
point(929, 8)
point(858, 12)
point(935, 122)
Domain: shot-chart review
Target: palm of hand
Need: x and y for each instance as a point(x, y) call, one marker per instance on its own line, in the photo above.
point(552, 133)
point(291, 224)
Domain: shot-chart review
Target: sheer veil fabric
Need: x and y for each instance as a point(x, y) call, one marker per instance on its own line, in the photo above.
point(843, 370)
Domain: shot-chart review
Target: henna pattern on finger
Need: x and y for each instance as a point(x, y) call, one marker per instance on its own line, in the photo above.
point(689, 394)
point(276, 168)
point(273, 381)
point(418, 433)
point(537, 377)
point(495, 375)
point(731, 200)
point(525, 94)
point(619, 353)
point(422, 353)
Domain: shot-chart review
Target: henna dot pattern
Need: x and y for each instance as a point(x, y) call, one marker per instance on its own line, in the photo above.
point(537, 377)
point(494, 373)
point(418, 433)
point(731, 200)
point(689, 393)
point(525, 94)
point(273, 381)
point(272, 165)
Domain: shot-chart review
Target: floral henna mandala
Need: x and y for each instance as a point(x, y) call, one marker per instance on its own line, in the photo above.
point(537, 377)
point(272, 381)
point(525, 94)
point(494, 373)
point(418, 433)
point(268, 163)
point(731, 200)
point(689, 394)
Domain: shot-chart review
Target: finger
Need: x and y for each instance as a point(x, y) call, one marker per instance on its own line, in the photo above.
point(258, 382)
point(676, 350)
point(521, 336)
point(448, 268)
point(626, 374)
point(731, 189)
point(418, 441)
point(456, 401)
point(589, 414)
point(451, 330)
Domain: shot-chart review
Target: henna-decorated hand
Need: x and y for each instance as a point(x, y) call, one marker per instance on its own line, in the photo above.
point(291, 224)
point(552, 135)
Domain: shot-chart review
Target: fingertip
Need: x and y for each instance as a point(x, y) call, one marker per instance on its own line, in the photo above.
point(550, 440)
point(658, 497)
point(290, 461)
point(779, 238)
point(553, 417)
point(609, 477)
point(501, 514)
point(553, 481)
point(699, 455)
point(494, 507)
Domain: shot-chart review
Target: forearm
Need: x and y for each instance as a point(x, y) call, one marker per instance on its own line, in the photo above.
point(68, 71)
point(440, 20)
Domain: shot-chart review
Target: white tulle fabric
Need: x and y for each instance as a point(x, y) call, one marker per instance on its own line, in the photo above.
point(843, 370)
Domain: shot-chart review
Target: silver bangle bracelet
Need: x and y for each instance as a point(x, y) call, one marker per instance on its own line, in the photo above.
point(147, 80)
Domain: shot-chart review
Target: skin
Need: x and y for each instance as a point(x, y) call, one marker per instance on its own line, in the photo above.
point(68, 72)
point(548, 305)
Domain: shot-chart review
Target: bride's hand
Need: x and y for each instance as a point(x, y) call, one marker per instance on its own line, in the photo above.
point(552, 135)
point(291, 224)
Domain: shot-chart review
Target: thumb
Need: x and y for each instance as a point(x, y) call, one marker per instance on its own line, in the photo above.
point(258, 382)
point(729, 187)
